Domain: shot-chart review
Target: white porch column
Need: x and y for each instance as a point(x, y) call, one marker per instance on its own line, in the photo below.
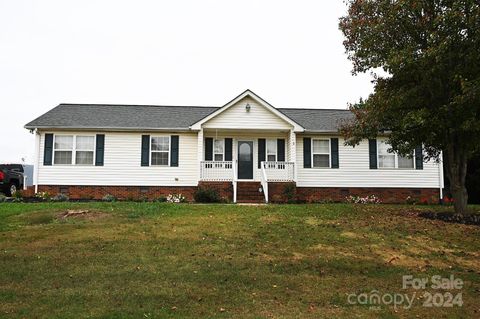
point(199, 151)
point(293, 153)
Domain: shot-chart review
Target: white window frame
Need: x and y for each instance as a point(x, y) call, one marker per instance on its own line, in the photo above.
point(223, 148)
point(94, 149)
point(396, 156)
point(169, 150)
point(266, 150)
point(74, 149)
point(329, 152)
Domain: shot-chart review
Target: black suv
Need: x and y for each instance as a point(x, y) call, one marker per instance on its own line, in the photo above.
point(11, 178)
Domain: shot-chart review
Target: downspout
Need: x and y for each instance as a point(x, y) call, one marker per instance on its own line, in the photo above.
point(440, 176)
point(37, 159)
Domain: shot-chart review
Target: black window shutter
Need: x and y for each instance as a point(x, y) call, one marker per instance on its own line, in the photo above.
point(419, 157)
point(261, 151)
point(372, 151)
point(209, 149)
point(228, 149)
point(334, 149)
point(48, 149)
point(281, 150)
point(174, 150)
point(145, 150)
point(307, 152)
point(99, 149)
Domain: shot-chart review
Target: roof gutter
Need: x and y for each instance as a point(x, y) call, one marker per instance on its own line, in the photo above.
point(321, 131)
point(118, 129)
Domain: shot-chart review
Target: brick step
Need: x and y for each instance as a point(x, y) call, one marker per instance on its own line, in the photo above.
point(255, 192)
point(248, 201)
point(249, 197)
point(247, 192)
point(249, 184)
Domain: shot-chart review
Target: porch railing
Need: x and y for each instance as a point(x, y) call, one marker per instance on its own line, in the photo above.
point(279, 171)
point(234, 182)
point(264, 181)
point(216, 171)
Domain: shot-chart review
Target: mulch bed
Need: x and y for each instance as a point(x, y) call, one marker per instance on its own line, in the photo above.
point(467, 219)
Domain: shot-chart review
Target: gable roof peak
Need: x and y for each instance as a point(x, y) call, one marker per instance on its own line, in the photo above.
point(297, 127)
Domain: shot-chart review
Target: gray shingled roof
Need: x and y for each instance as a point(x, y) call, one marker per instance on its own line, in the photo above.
point(318, 120)
point(85, 116)
point(120, 116)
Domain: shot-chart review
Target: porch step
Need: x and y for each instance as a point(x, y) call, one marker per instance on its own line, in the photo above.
point(247, 192)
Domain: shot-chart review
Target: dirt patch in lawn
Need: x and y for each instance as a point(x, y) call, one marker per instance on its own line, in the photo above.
point(81, 214)
point(271, 218)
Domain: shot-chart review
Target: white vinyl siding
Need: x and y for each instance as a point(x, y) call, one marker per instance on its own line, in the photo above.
point(237, 117)
point(122, 164)
point(354, 170)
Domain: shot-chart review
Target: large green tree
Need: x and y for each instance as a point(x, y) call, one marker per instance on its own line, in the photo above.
point(425, 59)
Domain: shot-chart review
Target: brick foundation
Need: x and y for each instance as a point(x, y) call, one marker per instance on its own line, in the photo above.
point(277, 192)
point(120, 192)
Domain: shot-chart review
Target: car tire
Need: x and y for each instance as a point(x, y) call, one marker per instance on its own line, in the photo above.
point(12, 189)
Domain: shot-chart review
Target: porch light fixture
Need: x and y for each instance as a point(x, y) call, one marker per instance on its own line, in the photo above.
point(247, 107)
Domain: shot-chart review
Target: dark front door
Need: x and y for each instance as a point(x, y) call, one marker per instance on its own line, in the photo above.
point(245, 160)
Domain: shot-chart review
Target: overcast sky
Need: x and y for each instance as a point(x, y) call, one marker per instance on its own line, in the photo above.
point(167, 52)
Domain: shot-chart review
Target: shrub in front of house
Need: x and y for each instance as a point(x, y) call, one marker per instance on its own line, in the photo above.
point(109, 198)
point(60, 198)
point(277, 199)
point(428, 200)
point(3, 198)
point(176, 198)
point(289, 192)
point(207, 195)
point(370, 199)
point(326, 200)
point(410, 200)
point(43, 196)
point(17, 196)
point(161, 199)
point(449, 201)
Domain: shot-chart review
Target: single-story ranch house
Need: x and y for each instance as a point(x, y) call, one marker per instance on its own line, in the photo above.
point(247, 149)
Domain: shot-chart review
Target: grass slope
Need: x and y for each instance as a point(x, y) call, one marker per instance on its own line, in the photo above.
point(148, 260)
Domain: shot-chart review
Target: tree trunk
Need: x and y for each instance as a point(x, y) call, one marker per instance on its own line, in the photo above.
point(456, 167)
point(460, 197)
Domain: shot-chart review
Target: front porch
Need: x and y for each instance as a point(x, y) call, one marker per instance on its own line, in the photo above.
point(226, 171)
point(247, 190)
point(259, 157)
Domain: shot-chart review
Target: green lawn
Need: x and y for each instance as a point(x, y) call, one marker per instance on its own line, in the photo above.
point(148, 260)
